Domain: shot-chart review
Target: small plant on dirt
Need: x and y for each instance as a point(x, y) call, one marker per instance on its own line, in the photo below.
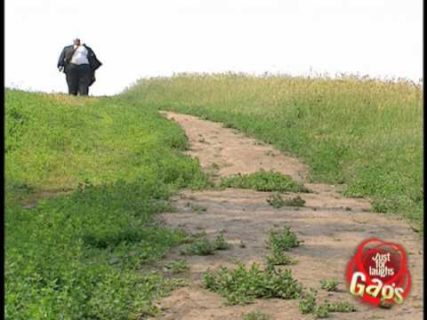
point(283, 240)
point(256, 315)
point(276, 201)
point(278, 258)
point(270, 153)
point(220, 243)
point(215, 166)
point(307, 303)
point(321, 312)
point(263, 181)
point(198, 208)
point(294, 202)
point(241, 285)
point(177, 266)
point(190, 238)
point(341, 306)
point(329, 284)
point(200, 247)
point(203, 246)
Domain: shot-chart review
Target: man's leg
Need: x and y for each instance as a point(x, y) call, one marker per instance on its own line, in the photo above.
point(84, 79)
point(72, 77)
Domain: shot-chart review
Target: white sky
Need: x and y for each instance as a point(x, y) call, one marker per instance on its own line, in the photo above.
point(144, 38)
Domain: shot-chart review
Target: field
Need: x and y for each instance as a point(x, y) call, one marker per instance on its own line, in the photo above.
point(85, 177)
point(363, 133)
point(110, 167)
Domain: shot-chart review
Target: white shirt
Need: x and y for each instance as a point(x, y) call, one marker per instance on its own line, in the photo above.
point(80, 56)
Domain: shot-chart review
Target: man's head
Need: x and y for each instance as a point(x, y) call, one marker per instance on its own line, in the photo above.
point(76, 41)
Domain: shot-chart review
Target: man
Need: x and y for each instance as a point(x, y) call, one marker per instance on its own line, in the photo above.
point(79, 63)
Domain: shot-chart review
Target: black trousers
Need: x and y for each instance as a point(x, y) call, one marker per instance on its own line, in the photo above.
point(78, 79)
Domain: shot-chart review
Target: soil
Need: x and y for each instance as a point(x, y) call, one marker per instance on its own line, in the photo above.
point(329, 224)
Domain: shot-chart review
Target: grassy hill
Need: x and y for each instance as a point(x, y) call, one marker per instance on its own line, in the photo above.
point(78, 255)
point(100, 168)
point(364, 133)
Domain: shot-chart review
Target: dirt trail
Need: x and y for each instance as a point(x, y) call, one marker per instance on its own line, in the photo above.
point(330, 225)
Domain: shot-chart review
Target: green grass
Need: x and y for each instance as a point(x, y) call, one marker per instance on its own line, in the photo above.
point(197, 208)
point(177, 266)
point(263, 181)
point(329, 284)
point(242, 285)
point(220, 243)
point(323, 310)
point(341, 306)
point(308, 304)
point(278, 242)
point(200, 247)
point(278, 258)
point(256, 315)
point(204, 247)
point(294, 202)
point(283, 240)
point(275, 200)
point(362, 132)
point(79, 255)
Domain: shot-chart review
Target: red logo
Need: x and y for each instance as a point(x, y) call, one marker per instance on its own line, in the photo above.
point(378, 273)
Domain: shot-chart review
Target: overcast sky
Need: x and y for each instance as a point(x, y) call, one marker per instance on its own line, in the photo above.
point(145, 38)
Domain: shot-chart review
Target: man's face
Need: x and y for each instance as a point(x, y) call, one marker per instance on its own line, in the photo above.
point(76, 42)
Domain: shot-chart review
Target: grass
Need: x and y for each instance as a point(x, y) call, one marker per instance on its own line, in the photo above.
point(278, 242)
point(294, 202)
point(362, 132)
point(263, 181)
point(323, 310)
point(256, 315)
point(79, 255)
point(200, 247)
point(278, 258)
point(177, 266)
point(341, 306)
point(283, 240)
point(198, 208)
point(220, 243)
point(308, 304)
point(242, 285)
point(329, 284)
point(275, 200)
point(204, 247)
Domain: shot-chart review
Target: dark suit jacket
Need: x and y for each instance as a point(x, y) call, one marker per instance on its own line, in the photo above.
point(67, 54)
point(65, 57)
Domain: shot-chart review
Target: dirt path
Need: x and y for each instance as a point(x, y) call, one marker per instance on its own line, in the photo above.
point(330, 225)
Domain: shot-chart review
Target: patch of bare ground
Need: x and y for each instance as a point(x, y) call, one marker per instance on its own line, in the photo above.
point(329, 224)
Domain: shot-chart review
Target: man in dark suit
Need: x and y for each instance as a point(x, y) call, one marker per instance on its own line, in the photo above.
point(78, 62)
